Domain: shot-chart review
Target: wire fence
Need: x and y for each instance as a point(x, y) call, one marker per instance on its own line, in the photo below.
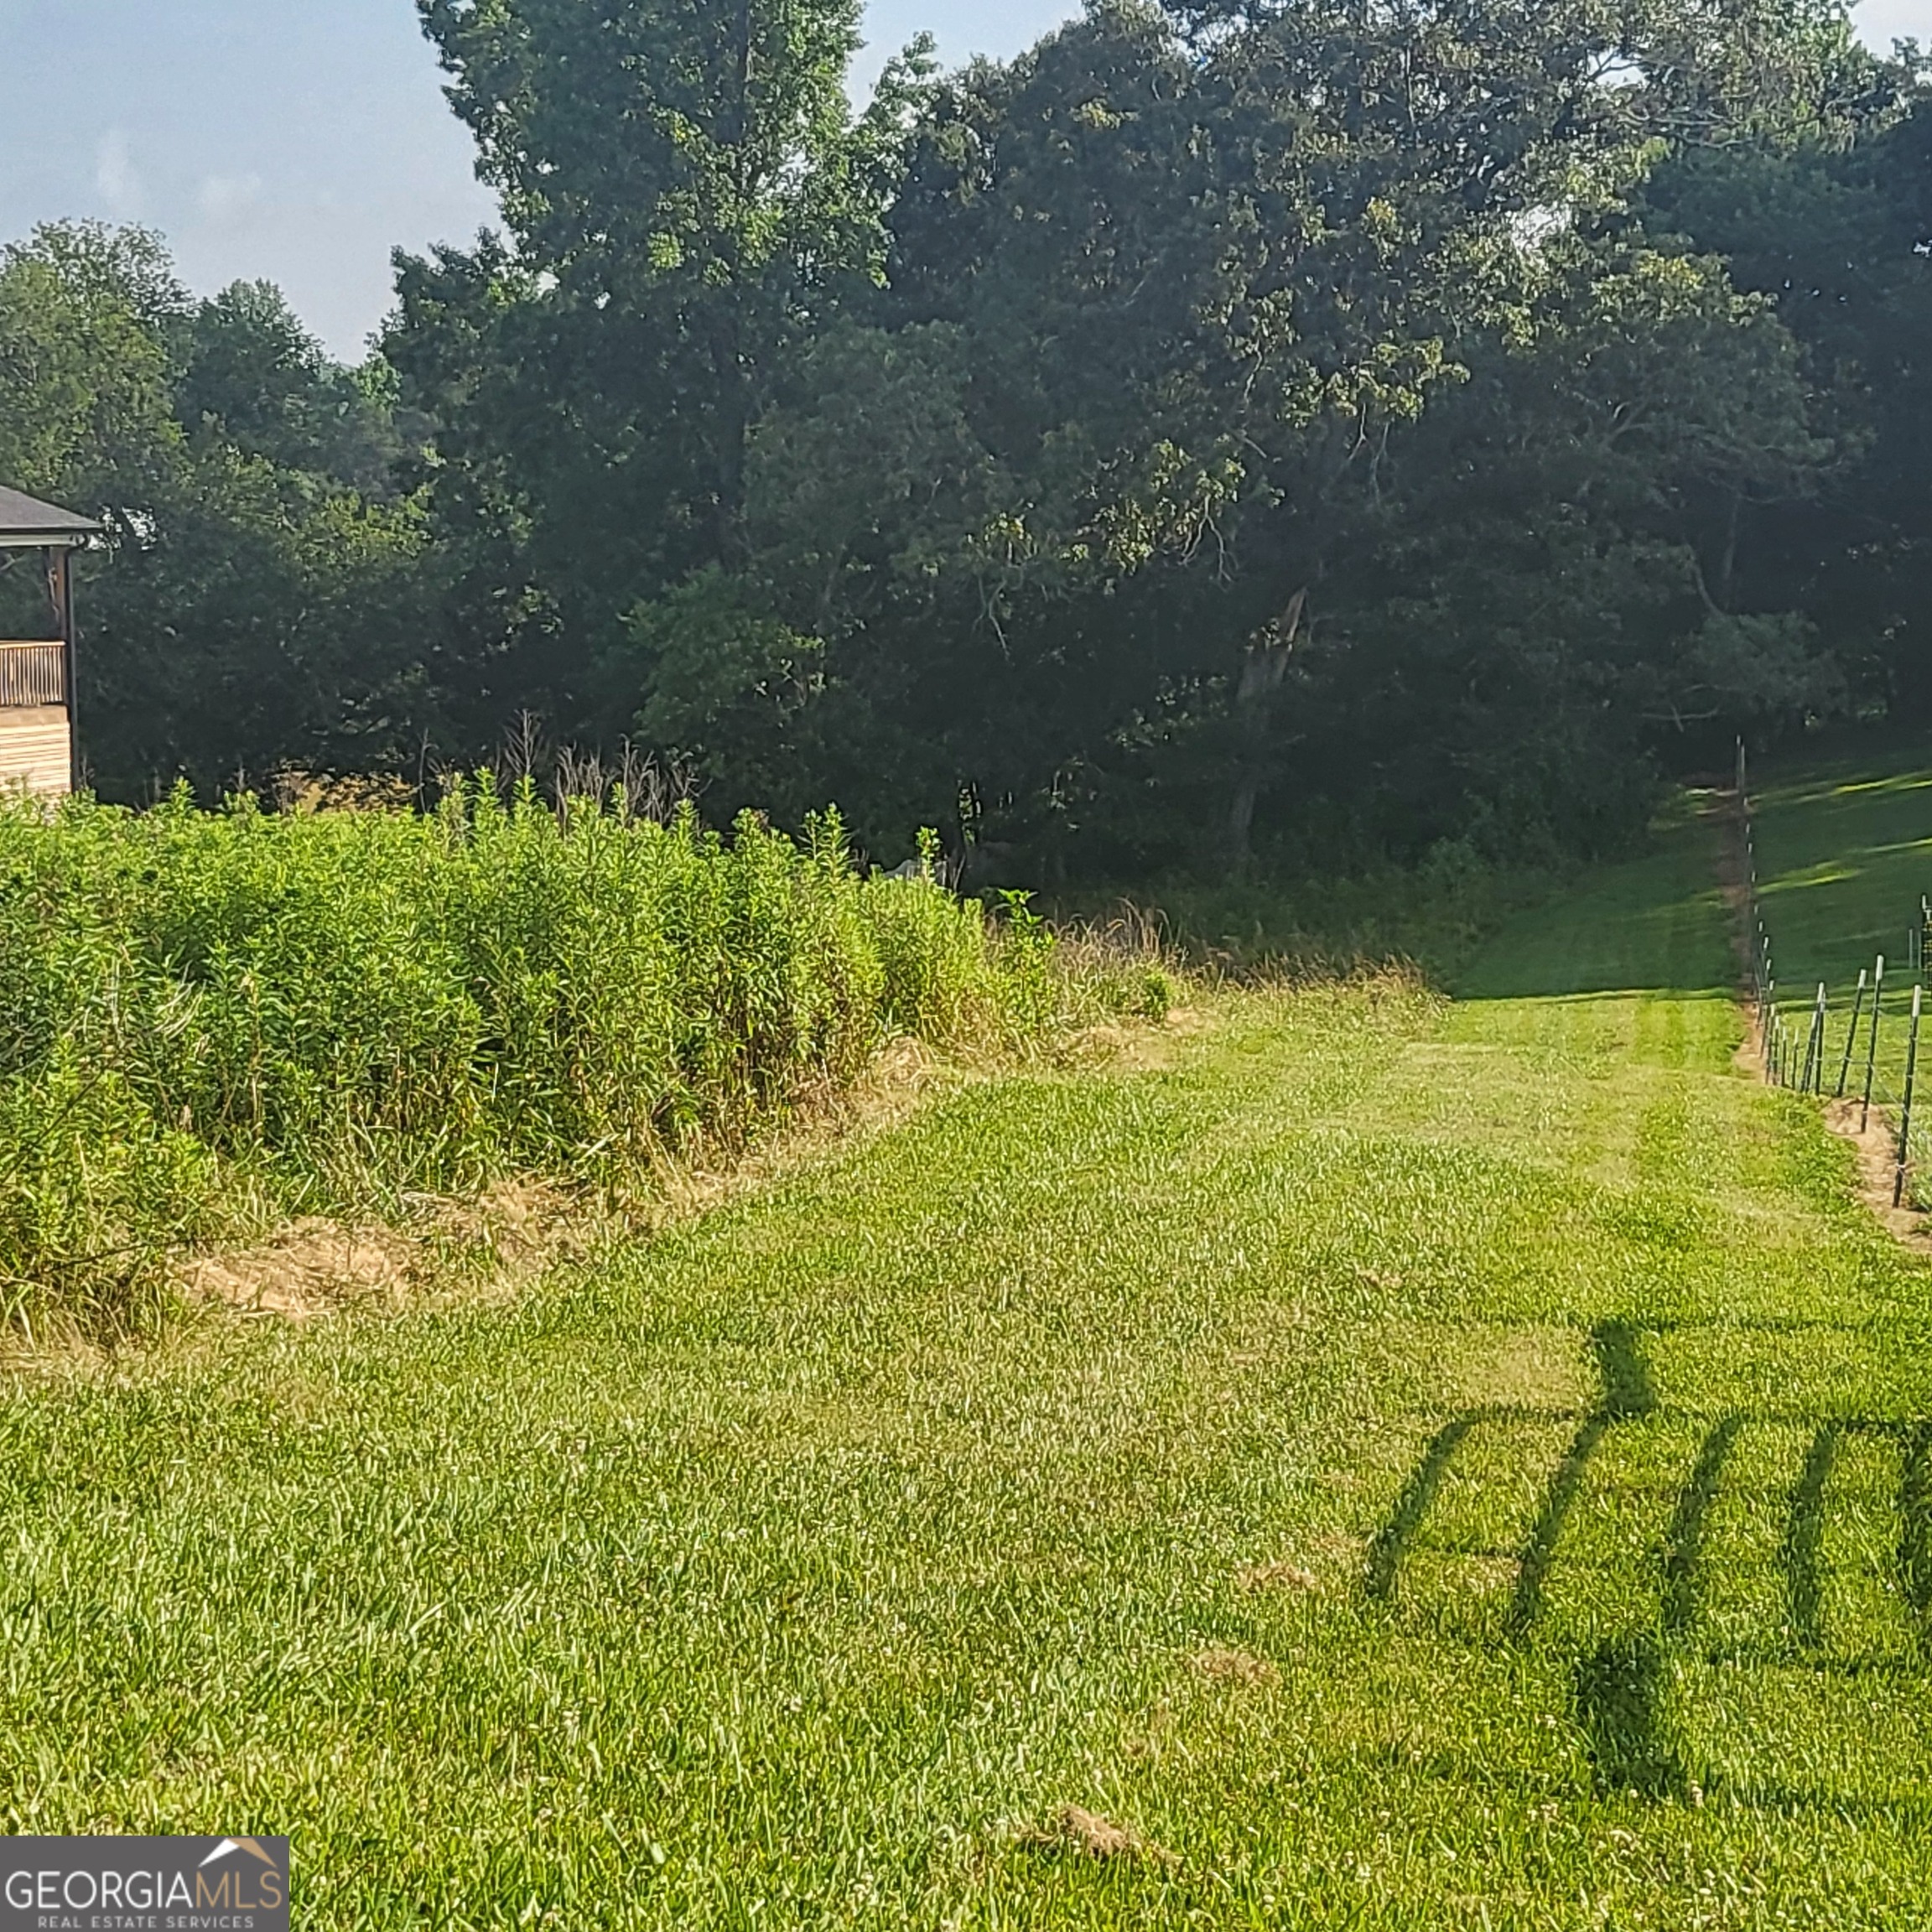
point(1844, 1046)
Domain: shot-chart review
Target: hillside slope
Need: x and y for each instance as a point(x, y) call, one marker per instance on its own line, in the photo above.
point(1401, 1463)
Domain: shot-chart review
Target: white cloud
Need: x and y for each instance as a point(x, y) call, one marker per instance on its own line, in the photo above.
point(115, 175)
point(223, 197)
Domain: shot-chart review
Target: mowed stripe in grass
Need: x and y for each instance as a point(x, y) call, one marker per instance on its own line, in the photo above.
point(1844, 856)
point(1406, 1465)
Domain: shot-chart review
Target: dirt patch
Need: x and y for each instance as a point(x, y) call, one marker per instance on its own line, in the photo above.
point(1878, 1151)
point(1088, 1834)
point(1328, 1561)
point(1293, 1577)
point(1226, 1666)
point(1749, 1058)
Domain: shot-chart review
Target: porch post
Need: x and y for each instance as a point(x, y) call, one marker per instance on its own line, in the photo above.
point(61, 571)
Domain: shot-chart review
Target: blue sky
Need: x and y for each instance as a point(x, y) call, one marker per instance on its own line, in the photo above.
point(302, 139)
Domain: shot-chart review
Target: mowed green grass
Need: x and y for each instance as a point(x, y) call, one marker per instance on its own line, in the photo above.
point(1843, 855)
point(799, 1566)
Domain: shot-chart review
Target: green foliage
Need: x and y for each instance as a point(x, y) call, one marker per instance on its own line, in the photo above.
point(1830, 230)
point(691, 197)
point(1433, 915)
point(257, 602)
point(310, 1011)
point(1225, 428)
point(253, 377)
point(723, 677)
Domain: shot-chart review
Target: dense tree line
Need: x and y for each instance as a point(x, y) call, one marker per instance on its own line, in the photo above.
point(1301, 427)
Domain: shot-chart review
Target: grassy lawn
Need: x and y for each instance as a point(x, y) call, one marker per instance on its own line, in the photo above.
point(1843, 855)
point(1407, 1464)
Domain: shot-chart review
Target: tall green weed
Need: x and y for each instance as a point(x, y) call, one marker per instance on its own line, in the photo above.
point(204, 1011)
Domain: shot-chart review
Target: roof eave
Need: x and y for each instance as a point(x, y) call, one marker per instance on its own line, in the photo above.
point(47, 539)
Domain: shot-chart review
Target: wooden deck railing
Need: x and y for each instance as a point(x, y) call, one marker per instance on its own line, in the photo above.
point(32, 674)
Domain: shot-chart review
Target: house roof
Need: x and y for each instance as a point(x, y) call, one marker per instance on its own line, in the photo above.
point(25, 521)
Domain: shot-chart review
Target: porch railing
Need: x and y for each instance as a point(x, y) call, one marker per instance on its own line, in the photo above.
point(32, 674)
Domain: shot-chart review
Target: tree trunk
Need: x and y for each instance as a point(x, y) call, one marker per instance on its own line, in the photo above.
point(1264, 667)
point(1727, 562)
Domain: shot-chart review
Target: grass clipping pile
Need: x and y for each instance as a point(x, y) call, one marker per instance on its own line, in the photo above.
point(444, 1251)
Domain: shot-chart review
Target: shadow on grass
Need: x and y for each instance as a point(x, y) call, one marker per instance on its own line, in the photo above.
point(1627, 1392)
point(1625, 1375)
point(1684, 1549)
point(1804, 1530)
point(1915, 1526)
point(1392, 1541)
point(1618, 1690)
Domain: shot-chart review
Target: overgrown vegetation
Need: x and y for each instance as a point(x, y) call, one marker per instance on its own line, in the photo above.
point(210, 1017)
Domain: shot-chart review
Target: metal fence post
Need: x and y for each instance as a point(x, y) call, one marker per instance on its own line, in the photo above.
point(1905, 1112)
point(1872, 1040)
point(1850, 1038)
point(1814, 1046)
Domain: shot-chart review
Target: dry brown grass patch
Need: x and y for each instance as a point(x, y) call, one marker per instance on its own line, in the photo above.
point(1228, 1666)
point(315, 1266)
point(1293, 1576)
point(1135, 1045)
point(305, 1267)
point(1089, 1836)
point(490, 1247)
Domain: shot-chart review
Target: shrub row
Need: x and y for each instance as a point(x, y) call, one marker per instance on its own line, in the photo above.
point(205, 1014)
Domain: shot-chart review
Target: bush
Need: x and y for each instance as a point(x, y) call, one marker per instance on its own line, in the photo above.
point(319, 1012)
point(1433, 915)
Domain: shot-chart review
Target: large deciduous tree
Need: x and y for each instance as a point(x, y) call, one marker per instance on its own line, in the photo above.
point(690, 196)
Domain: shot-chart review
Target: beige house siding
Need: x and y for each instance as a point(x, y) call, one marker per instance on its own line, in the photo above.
point(34, 750)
